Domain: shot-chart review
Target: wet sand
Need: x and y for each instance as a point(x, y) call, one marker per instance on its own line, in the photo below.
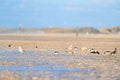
point(42, 64)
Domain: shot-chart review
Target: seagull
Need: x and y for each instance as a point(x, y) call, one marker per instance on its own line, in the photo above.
point(21, 50)
point(70, 49)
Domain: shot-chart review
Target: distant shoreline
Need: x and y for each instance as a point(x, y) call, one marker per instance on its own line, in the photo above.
point(81, 30)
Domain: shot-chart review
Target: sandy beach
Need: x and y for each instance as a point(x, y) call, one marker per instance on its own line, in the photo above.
point(40, 61)
point(60, 41)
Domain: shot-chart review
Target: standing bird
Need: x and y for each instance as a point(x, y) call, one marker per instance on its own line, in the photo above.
point(21, 50)
point(114, 52)
point(70, 49)
point(75, 50)
point(111, 52)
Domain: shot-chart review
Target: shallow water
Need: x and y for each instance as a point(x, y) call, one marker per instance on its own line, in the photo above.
point(44, 64)
point(51, 69)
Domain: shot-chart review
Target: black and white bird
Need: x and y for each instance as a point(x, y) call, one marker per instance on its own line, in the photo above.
point(56, 53)
point(95, 52)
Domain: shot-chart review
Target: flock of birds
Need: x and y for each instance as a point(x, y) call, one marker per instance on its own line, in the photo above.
point(71, 49)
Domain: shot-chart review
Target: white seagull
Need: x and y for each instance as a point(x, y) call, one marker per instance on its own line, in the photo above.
point(21, 50)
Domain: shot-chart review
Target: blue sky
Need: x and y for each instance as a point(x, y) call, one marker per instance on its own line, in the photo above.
point(70, 13)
